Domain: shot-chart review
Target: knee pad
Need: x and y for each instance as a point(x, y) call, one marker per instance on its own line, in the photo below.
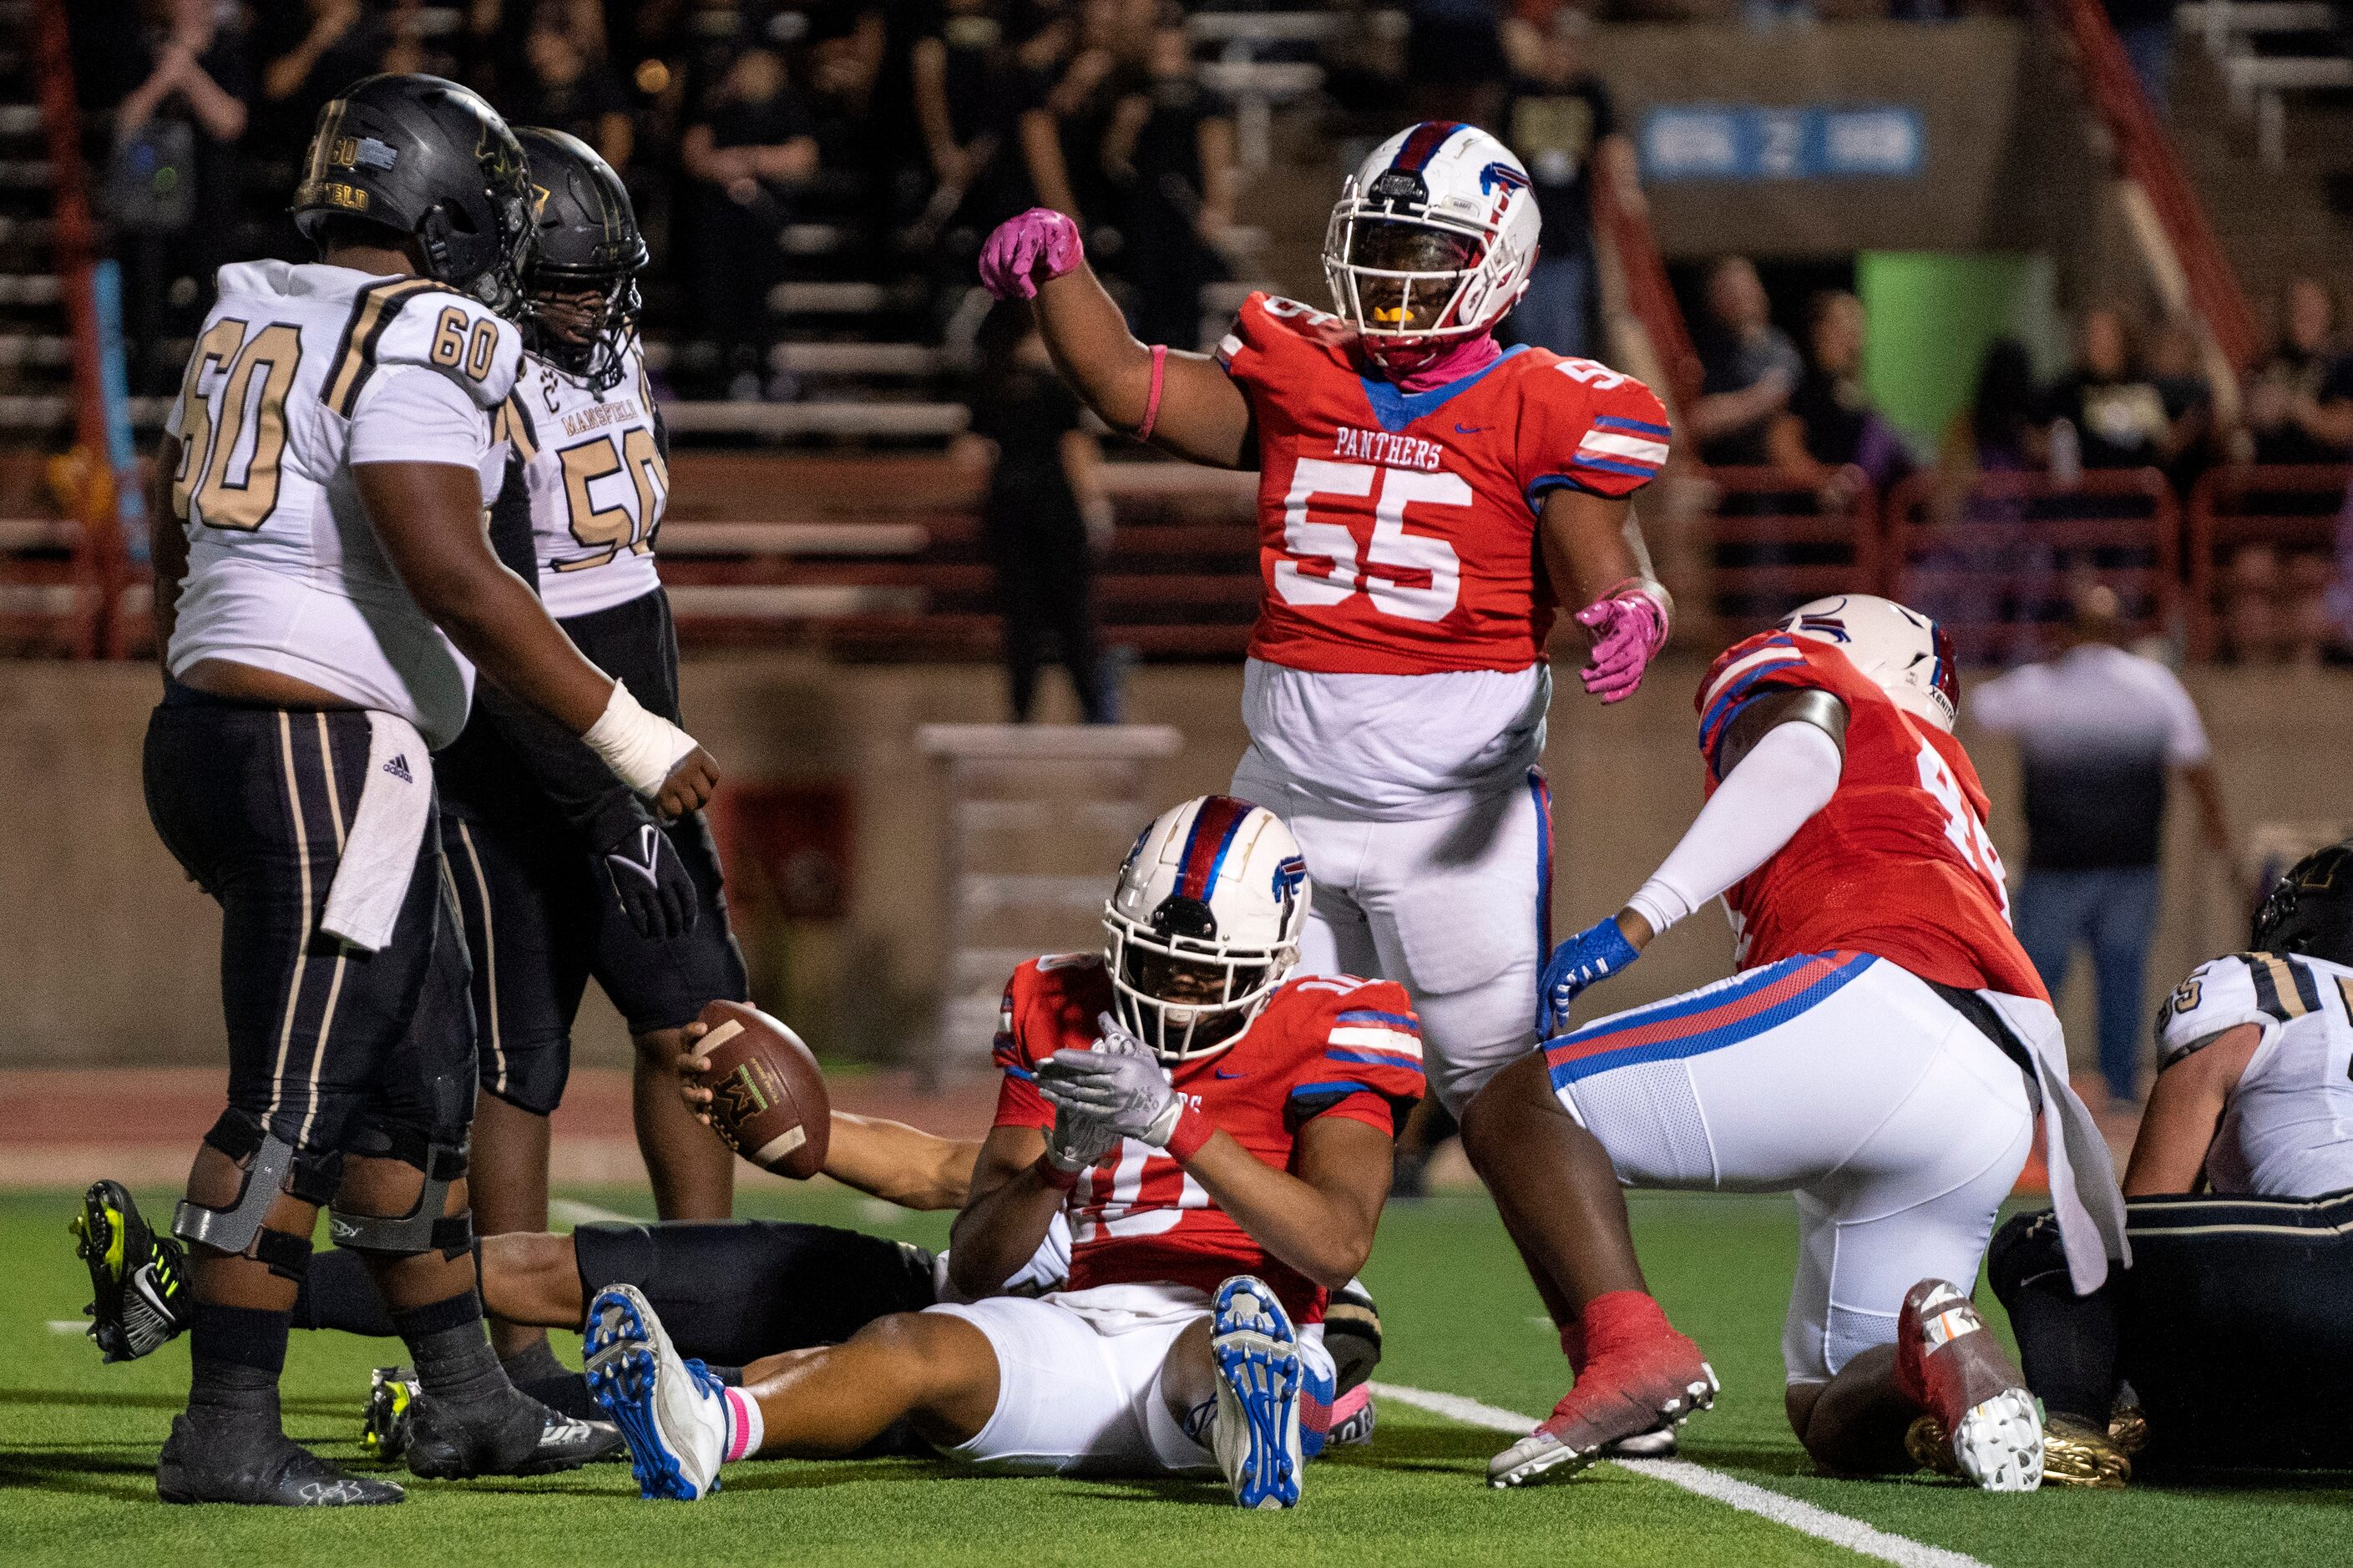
point(424, 1228)
point(2024, 1251)
point(272, 1165)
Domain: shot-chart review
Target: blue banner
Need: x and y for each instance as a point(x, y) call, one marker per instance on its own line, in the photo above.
point(1751, 142)
point(114, 385)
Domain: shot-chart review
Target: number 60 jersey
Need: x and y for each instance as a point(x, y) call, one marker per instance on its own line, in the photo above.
point(1898, 864)
point(301, 374)
point(1397, 537)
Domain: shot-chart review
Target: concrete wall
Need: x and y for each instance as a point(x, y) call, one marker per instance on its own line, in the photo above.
point(108, 955)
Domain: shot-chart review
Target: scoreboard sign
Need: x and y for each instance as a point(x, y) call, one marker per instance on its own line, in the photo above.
point(1751, 142)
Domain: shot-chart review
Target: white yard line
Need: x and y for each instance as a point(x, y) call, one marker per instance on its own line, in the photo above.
point(568, 1211)
point(1803, 1517)
point(69, 1325)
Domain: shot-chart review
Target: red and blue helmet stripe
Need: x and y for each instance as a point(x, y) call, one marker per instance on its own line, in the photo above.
point(1212, 834)
point(1422, 143)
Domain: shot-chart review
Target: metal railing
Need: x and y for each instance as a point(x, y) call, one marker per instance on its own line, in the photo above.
point(2293, 507)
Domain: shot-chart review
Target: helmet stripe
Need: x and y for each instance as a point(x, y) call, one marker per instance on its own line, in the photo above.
point(1214, 827)
point(1421, 143)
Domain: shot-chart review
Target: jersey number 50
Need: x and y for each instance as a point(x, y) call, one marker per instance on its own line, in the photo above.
point(609, 529)
point(1413, 575)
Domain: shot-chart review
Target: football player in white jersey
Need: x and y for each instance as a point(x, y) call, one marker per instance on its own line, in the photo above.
point(562, 871)
point(2229, 1343)
point(320, 609)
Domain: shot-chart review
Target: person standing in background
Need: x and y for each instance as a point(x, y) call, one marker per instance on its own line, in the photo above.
point(1559, 119)
point(2101, 729)
point(1752, 368)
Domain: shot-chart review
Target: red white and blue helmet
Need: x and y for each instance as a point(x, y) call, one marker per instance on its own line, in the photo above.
point(1209, 906)
point(1438, 182)
point(1900, 650)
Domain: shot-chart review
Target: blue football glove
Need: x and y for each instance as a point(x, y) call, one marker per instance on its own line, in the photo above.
point(652, 883)
point(1593, 953)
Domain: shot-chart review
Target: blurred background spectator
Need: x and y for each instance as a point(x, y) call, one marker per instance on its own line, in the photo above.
point(2107, 412)
point(567, 89)
point(748, 149)
point(2300, 398)
point(1997, 432)
point(1169, 152)
point(1044, 516)
point(1559, 117)
point(1454, 63)
point(1751, 369)
point(1831, 428)
point(2100, 729)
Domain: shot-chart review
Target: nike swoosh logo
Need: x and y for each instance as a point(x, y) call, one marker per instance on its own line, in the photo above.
point(1463, 429)
point(1223, 1073)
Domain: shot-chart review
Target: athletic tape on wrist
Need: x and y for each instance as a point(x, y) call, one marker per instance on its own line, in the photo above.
point(1152, 404)
point(640, 747)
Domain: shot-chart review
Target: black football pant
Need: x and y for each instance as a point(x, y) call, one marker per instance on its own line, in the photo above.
point(2235, 1327)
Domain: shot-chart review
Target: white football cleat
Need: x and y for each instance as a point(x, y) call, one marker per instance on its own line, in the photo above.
point(1257, 1435)
point(670, 1410)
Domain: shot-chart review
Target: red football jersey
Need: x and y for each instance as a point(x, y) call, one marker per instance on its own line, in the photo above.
point(1396, 530)
point(1898, 864)
point(1321, 1047)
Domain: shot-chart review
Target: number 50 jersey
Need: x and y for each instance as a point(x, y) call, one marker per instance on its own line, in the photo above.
point(597, 467)
point(301, 374)
point(1898, 864)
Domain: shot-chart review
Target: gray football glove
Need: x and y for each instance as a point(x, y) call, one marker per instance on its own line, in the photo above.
point(1130, 1093)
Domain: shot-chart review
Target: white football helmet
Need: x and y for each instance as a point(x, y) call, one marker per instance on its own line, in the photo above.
point(1900, 651)
point(1432, 239)
point(1204, 924)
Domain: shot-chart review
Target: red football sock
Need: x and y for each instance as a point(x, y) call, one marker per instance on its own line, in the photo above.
point(1572, 1345)
point(1621, 1321)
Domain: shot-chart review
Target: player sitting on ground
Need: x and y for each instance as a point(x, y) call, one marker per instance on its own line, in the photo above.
point(1220, 1139)
point(730, 1291)
point(2230, 1328)
point(1882, 1056)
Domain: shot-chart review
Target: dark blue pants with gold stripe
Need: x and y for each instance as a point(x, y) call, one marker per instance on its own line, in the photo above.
point(332, 1047)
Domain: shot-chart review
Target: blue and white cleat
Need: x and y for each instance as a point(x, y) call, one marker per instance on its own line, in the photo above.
point(1259, 1371)
point(670, 1410)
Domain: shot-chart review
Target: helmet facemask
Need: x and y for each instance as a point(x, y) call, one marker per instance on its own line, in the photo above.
point(1405, 283)
point(582, 321)
point(1183, 992)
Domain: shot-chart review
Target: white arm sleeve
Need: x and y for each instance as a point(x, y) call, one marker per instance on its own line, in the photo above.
point(1788, 776)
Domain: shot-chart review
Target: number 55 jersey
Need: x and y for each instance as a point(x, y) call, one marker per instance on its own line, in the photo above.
point(1397, 537)
point(1898, 864)
point(302, 374)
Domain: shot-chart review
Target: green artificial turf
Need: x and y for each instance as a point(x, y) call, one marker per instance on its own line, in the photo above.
point(78, 1443)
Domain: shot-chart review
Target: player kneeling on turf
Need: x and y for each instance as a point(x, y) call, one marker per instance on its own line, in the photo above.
point(1881, 1055)
point(1218, 1138)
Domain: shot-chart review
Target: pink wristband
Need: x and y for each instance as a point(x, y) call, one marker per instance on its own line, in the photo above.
point(1152, 404)
point(1191, 1132)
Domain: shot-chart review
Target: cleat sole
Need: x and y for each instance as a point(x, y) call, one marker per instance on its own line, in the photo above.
point(620, 1368)
point(1258, 1360)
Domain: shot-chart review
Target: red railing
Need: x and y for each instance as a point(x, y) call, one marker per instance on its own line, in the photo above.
point(1626, 229)
point(1996, 562)
point(2148, 159)
point(98, 558)
point(2287, 508)
point(1780, 539)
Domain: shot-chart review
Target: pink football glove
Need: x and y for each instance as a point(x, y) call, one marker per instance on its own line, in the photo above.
point(1630, 627)
point(1010, 261)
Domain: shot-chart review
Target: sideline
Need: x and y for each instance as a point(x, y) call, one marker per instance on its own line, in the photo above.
point(1803, 1517)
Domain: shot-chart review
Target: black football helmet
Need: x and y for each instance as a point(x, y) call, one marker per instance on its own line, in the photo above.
point(2310, 910)
point(428, 160)
point(587, 242)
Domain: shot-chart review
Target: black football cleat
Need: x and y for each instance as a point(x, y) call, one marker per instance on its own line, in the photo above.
point(514, 1435)
point(138, 1280)
point(200, 1464)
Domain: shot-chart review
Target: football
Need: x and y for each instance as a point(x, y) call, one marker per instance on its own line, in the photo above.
point(768, 1101)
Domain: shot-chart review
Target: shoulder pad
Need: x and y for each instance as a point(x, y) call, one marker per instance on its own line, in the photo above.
point(1766, 660)
point(2266, 989)
point(1265, 319)
point(416, 321)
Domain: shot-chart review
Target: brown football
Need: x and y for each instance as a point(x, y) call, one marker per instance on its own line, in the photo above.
point(768, 1101)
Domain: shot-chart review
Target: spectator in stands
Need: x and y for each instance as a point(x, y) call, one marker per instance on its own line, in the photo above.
point(973, 81)
point(1830, 430)
point(1044, 515)
point(341, 42)
point(2176, 368)
point(1560, 120)
point(2100, 731)
point(567, 89)
point(1170, 152)
point(2300, 398)
point(1454, 60)
point(1750, 368)
point(188, 111)
point(2112, 412)
point(747, 149)
point(1063, 130)
point(1997, 432)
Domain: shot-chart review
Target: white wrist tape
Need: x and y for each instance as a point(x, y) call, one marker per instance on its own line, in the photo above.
point(641, 748)
point(1790, 774)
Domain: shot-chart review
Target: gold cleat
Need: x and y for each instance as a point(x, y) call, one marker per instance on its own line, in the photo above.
point(2074, 1455)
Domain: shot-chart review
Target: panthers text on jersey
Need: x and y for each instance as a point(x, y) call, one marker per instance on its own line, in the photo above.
point(1330, 1045)
point(598, 473)
point(299, 373)
point(2287, 1131)
point(1397, 530)
point(1898, 864)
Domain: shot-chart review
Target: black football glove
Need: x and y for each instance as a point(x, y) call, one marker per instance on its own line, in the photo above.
point(652, 884)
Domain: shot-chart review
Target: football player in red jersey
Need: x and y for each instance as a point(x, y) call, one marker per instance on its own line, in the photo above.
point(1217, 1133)
point(1427, 500)
point(1881, 1054)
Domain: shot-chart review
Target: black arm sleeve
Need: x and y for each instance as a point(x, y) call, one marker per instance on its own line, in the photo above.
point(599, 807)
